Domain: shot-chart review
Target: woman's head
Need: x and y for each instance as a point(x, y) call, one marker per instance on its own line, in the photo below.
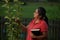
point(40, 12)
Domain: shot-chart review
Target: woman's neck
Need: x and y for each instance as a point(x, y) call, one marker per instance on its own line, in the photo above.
point(36, 20)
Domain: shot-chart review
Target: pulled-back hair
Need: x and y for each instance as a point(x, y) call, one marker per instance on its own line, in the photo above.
point(42, 13)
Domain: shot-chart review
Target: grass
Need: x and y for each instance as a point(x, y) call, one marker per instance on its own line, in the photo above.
point(53, 9)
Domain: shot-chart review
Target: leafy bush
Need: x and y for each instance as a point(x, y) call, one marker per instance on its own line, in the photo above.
point(12, 29)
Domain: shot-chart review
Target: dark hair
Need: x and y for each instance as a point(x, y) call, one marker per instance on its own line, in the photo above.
point(42, 13)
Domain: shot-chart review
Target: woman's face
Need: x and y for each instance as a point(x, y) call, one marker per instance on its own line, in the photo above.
point(36, 14)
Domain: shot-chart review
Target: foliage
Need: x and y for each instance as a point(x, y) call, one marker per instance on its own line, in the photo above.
point(12, 29)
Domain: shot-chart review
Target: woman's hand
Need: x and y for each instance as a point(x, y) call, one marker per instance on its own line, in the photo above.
point(17, 21)
point(20, 24)
point(44, 36)
point(33, 36)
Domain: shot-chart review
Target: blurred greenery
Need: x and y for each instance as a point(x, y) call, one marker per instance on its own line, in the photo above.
point(53, 9)
point(10, 13)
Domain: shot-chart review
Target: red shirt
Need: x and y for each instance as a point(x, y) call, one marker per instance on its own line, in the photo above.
point(41, 25)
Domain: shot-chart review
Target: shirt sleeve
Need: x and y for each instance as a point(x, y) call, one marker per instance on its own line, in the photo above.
point(44, 27)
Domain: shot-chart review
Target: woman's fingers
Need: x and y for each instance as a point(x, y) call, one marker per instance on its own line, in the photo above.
point(17, 21)
point(33, 36)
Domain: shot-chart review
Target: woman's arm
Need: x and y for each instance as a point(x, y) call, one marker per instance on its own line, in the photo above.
point(24, 28)
point(43, 36)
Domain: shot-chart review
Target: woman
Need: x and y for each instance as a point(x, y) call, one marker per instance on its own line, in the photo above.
point(40, 21)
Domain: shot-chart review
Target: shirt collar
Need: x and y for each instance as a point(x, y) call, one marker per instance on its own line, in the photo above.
point(38, 22)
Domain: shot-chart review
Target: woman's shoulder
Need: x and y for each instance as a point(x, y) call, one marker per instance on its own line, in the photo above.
point(43, 22)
